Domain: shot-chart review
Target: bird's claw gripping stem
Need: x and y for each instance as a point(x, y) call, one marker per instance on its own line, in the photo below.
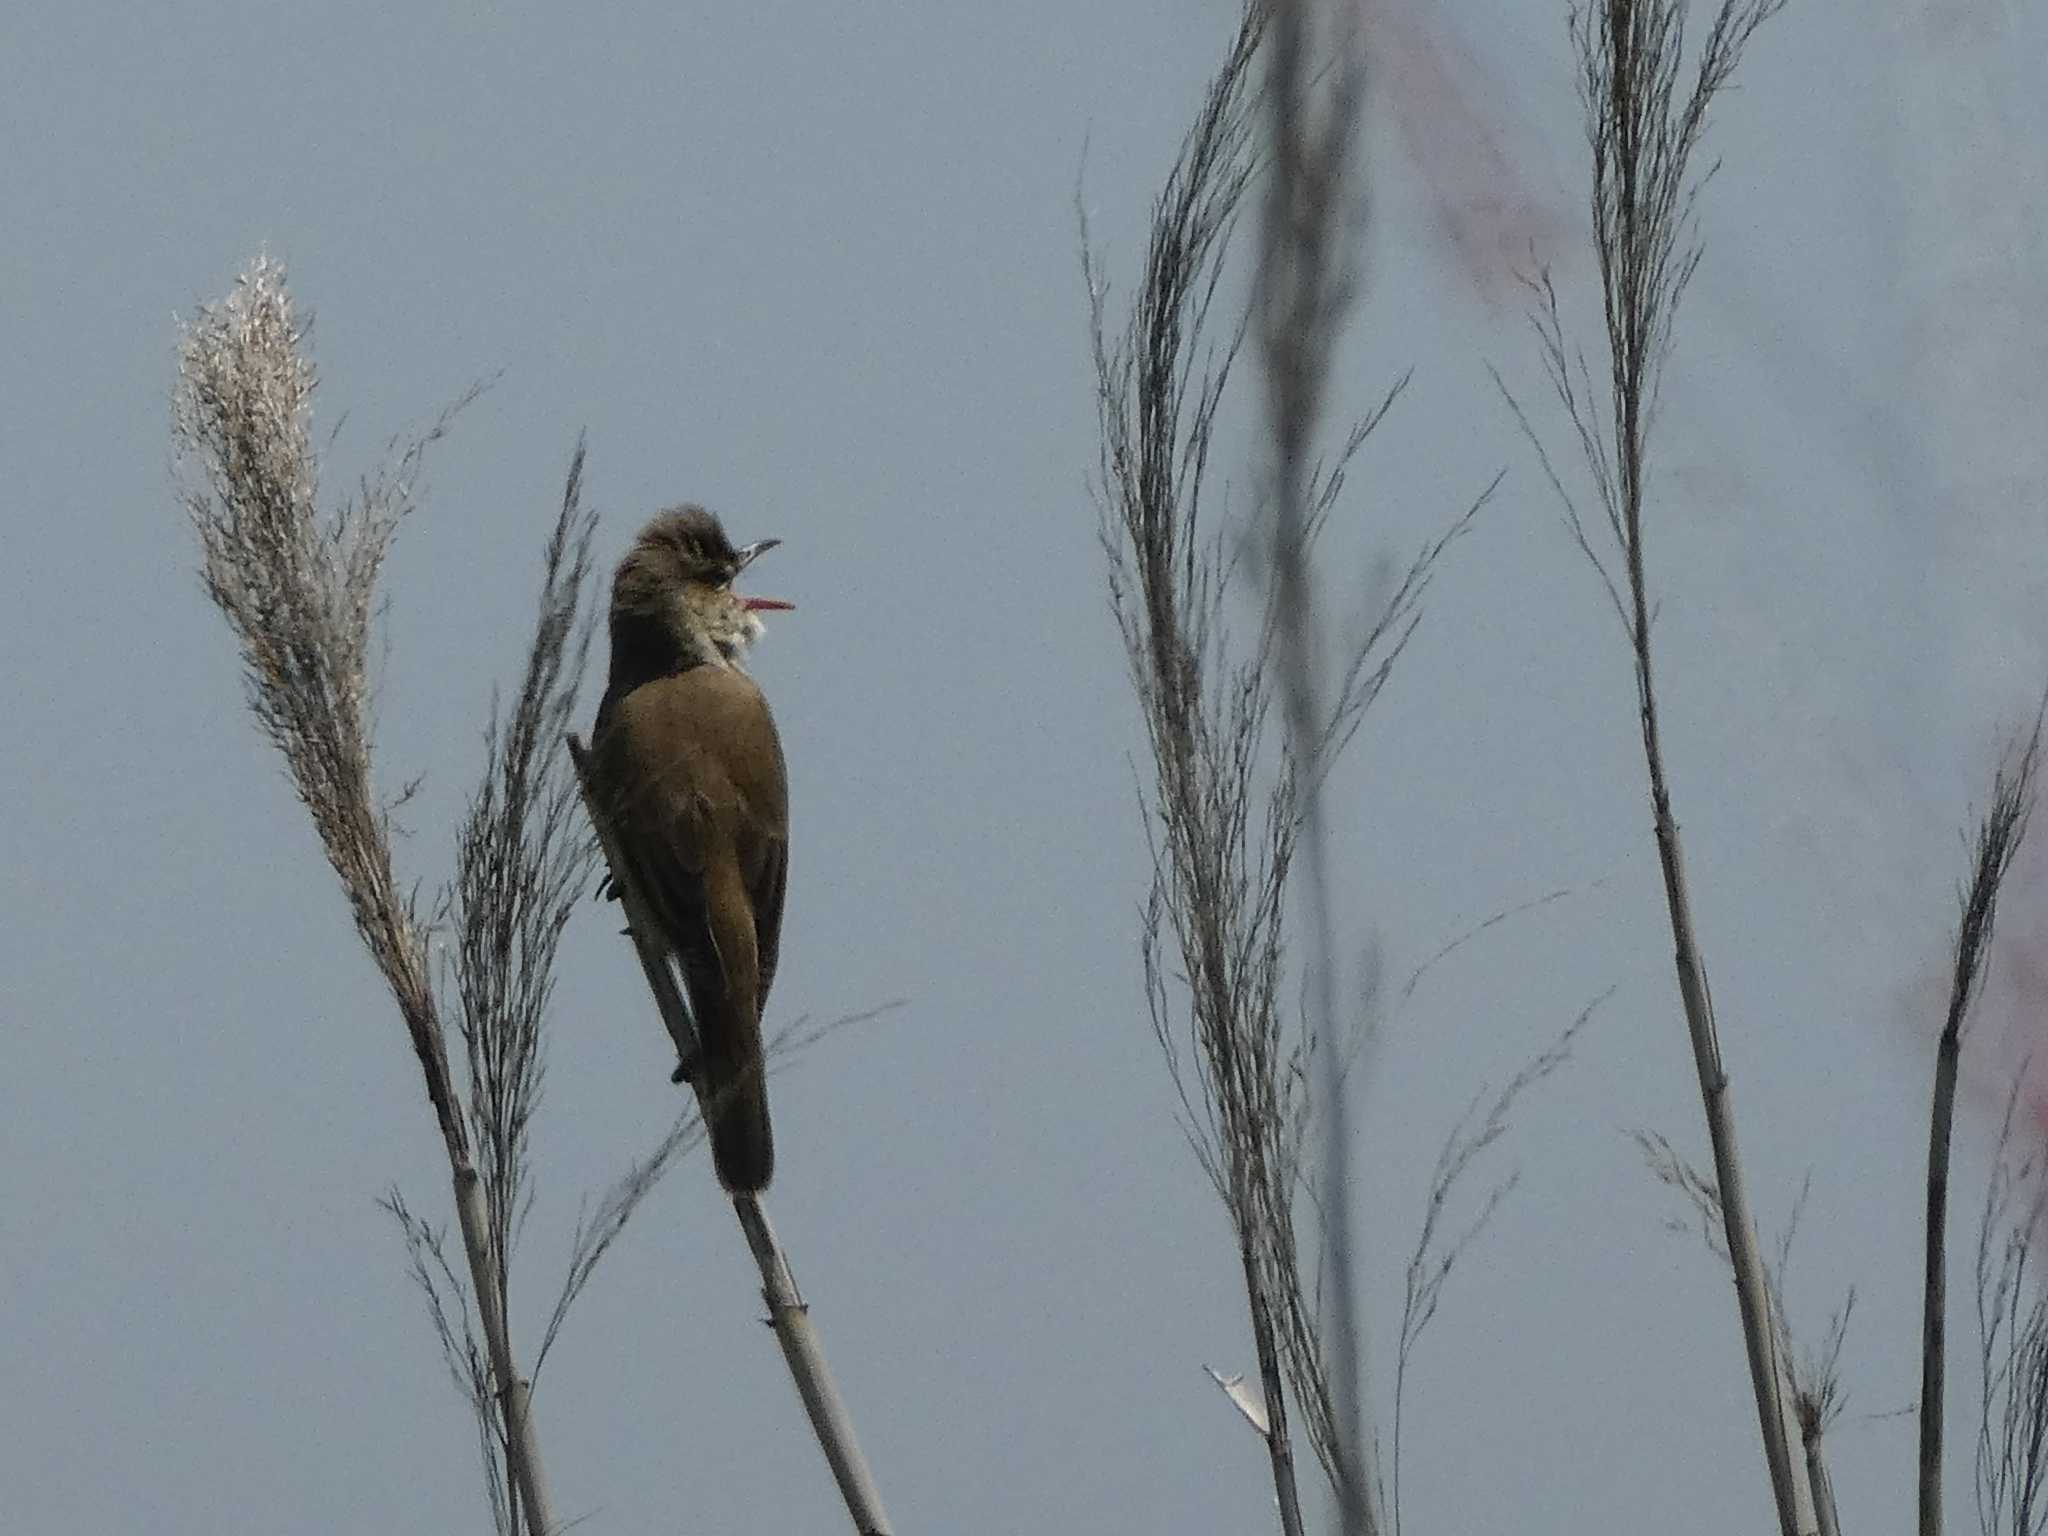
point(686, 1067)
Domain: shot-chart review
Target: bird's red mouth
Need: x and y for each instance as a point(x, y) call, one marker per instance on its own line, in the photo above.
point(766, 605)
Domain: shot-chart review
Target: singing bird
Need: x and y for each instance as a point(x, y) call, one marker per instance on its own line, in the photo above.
point(686, 756)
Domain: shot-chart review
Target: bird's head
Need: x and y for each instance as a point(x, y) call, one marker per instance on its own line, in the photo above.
point(677, 583)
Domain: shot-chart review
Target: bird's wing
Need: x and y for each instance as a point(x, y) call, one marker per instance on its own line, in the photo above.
point(767, 898)
point(754, 803)
point(664, 839)
point(699, 779)
point(657, 806)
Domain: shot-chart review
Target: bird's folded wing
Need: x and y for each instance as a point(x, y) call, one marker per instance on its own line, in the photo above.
point(766, 893)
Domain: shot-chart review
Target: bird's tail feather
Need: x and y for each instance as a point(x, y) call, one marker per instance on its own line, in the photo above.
point(736, 1106)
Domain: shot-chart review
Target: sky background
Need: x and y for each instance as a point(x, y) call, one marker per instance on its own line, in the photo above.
point(816, 266)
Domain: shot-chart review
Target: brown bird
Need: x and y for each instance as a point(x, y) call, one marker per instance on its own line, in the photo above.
point(687, 758)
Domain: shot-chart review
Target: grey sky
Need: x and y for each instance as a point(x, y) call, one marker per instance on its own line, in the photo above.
point(815, 266)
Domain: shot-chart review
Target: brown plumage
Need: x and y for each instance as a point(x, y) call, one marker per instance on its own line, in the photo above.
point(686, 754)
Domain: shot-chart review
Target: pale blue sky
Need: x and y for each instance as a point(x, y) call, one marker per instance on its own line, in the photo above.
point(815, 265)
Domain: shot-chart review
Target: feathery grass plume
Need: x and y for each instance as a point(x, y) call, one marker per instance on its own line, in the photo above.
point(1646, 99)
point(1999, 835)
point(1225, 801)
point(2012, 1336)
point(522, 861)
point(298, 590)
point(1219, 857)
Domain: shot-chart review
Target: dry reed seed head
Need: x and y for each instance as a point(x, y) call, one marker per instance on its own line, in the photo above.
point(242, 408)
point(245, 382)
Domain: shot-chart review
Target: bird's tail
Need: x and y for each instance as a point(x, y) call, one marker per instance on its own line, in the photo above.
point(736, 1103)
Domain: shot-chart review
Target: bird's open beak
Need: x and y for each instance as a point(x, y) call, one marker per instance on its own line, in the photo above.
point(761, 604)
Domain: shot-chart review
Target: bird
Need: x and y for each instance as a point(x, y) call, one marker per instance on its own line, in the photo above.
point(687, 760)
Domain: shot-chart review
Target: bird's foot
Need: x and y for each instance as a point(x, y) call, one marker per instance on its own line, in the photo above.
point(686, 1068)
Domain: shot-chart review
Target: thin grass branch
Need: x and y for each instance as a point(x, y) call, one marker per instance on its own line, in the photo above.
point(601, 1223)
point(1437, 1252)
point(1220, 852)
